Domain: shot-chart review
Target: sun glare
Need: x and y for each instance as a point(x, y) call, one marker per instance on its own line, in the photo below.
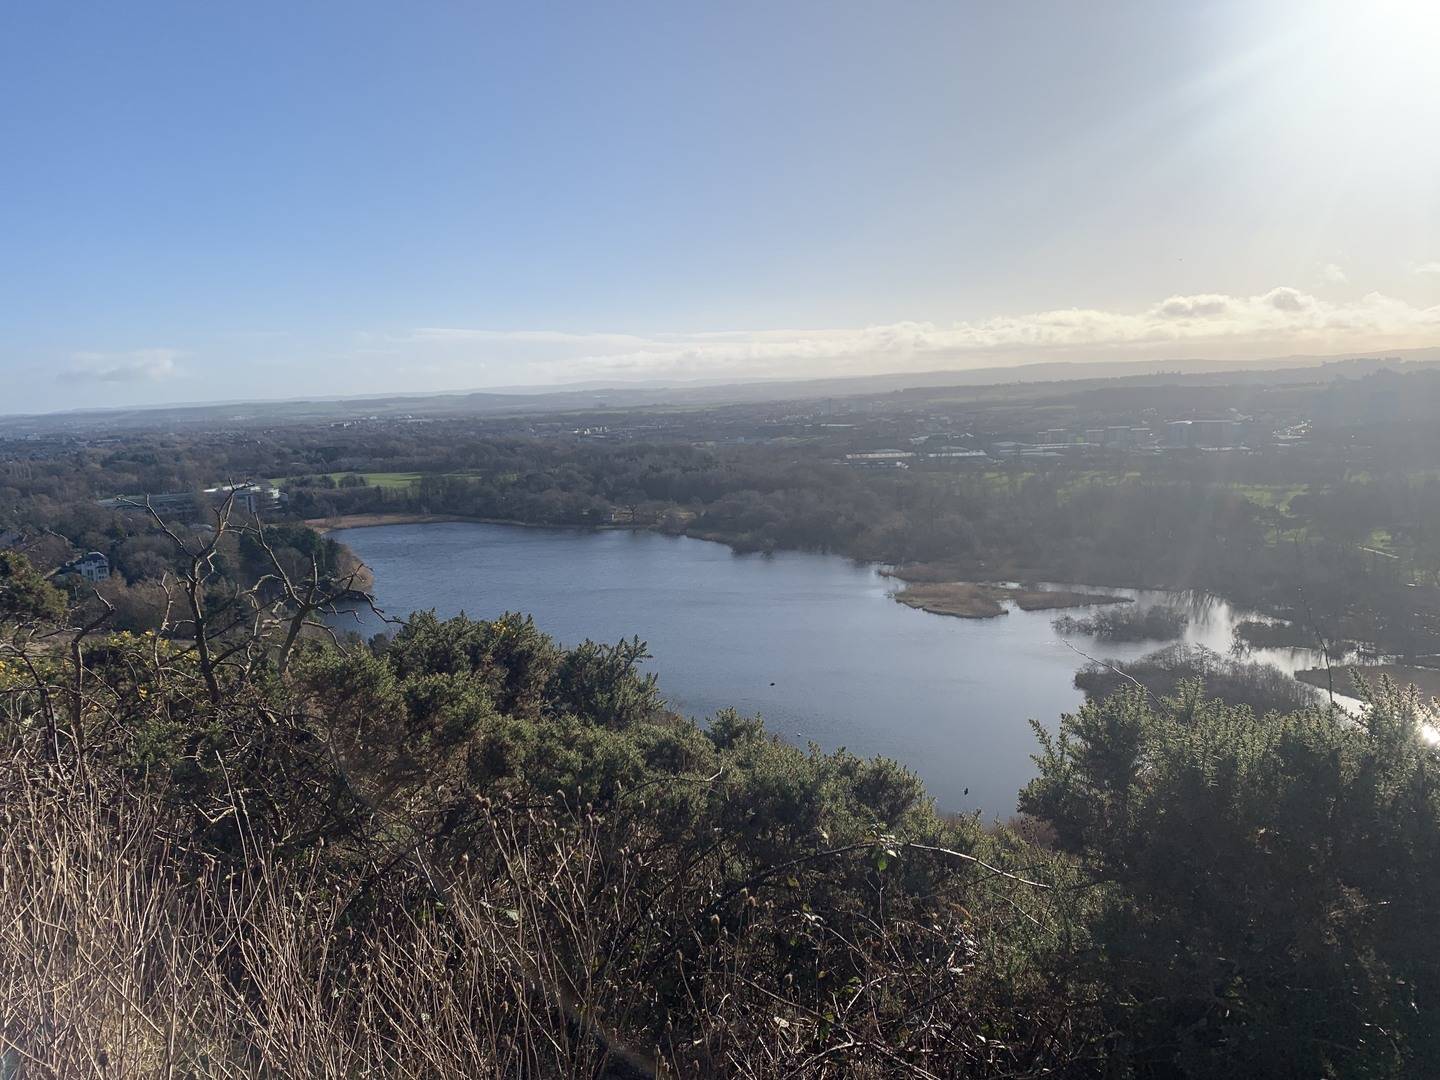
point(1380, 47)
point(1348, 82)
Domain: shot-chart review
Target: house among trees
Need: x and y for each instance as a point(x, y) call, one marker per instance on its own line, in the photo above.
point(92, 566)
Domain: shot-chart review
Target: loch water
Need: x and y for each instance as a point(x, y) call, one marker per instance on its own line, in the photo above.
point(813, 643)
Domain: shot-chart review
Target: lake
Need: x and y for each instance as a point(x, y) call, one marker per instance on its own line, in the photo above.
point(813, 643)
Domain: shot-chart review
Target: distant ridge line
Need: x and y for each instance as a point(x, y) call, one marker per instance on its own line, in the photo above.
point(702, 393)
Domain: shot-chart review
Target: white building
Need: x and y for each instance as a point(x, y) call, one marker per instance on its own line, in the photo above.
point(93, 566)
point(251, 498)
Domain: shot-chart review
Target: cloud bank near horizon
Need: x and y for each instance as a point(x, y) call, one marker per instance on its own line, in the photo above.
point(1284, 319)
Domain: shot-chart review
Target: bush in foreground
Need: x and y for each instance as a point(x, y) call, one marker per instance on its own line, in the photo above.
point(475, 853)
point(1265, 882)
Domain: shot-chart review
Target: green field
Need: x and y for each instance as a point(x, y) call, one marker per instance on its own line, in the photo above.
point(372, 479)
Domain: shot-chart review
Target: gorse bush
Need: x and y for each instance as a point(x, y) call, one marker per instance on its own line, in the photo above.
point(472, 852)
point(1265, 883)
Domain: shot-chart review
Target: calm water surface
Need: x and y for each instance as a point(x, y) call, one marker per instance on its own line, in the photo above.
point(812, 643)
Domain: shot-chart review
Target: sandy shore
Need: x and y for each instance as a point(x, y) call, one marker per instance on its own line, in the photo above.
point(364, 521)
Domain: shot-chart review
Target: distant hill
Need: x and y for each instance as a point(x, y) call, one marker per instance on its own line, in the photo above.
point(590, 397)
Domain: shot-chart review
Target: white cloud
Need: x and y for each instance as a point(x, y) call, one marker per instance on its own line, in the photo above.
point(1287, 299)
point(1432, 267)
point(1333, 274)
point(1284, 319)
point(136, 365)
point(1194, 307)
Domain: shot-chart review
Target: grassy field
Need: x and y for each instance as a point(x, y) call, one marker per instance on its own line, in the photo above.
point(372, 479)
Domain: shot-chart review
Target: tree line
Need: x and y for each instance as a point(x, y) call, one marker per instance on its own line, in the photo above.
point(1341, 536)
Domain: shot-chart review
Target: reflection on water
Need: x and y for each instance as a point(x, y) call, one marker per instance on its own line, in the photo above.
point(1212, 625)
point(812, 643)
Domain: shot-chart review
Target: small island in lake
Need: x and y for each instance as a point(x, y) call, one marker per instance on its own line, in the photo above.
point(972, 600)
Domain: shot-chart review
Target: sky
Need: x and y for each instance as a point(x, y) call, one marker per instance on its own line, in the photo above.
point(216, 201)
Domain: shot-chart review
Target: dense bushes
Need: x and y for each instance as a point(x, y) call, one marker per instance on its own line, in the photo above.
point(471, 852)
point(1263, 908)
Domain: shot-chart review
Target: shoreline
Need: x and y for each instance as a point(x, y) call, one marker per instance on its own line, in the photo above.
point(949, 590)
point(976, 574)
point(324, 526)
point(948, 598)
point(928, 588)
point(1425, 680)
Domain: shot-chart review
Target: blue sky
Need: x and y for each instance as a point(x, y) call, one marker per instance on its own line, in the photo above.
point(204, 201)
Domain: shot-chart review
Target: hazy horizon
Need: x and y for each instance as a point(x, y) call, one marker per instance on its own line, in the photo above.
point(273, 202)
